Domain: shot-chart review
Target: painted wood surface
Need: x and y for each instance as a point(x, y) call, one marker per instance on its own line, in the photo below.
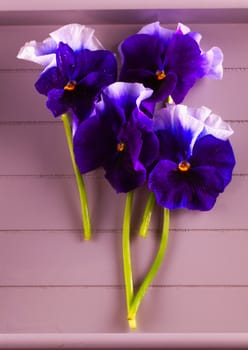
point(26, 5)
point(51, 281)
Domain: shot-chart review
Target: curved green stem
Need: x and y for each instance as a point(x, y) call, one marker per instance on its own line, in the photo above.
point(126, 254)
point(147, 215)
point(154, 268)
point(80, 183)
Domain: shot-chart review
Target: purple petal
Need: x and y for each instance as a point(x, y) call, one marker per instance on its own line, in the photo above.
point(195, 189)
point(50, 79)
point(132, 137)
point(150, 149)
point(56, 103)
point(125, 97)
point(66, 61)
point(188, 69)
point(164, 88)
point(141, 51)
point(93, 144)
point(124, 179)
point(211, 151)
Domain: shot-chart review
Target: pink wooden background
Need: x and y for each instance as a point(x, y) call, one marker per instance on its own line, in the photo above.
point(51, 281)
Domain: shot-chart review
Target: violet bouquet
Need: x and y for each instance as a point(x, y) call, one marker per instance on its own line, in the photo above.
point(135, 127)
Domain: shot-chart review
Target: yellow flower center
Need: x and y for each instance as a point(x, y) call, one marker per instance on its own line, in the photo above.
point(160, 74)
point(120, 147)
point(184, 166)
point(70, 86)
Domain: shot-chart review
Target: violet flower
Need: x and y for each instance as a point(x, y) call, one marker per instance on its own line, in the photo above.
point(76, 81)
point(196, 159)
point(169, 62)
point(118, 137)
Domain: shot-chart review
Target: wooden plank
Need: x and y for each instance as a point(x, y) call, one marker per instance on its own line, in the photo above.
point(111, 35)
point(107, 4)
point(129, 340)
point(102, 310)
point(36, 149)
point(193, 258)
point(52, 203)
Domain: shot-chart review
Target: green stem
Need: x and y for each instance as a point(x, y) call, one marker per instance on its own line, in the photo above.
point(154, 268)
point(80, 183)
point(126, 254)
point(147, 215)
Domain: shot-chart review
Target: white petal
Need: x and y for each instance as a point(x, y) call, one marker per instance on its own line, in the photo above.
point(77, 36)
point(156, 29)
point(213, 123)
point(134, 91)
point(37, 52)
point(178, 118)
point(215, 59)
point(217, 127)
point(183, 29)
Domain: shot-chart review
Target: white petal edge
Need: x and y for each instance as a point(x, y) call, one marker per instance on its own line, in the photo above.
point(213, 123)
point(77, 36)
point(215, 58)
point(136, 91)
point(38, 52)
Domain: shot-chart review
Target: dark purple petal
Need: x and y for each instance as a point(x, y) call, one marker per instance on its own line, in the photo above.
point(141, 51)
point(195, 189)
point(94, 82)
point(150, 149)
point(82, 107)
point(214, 152)
point(184, 58)
point(174, 146)
point(56, 103)
point(125, 179)
point(164, 88)
point(66, 61)
point(50, 79)
point(132, 139)
point(101, 61)
point(93, 144)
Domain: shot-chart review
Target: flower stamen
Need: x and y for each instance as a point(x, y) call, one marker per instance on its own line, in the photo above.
point(184, 166)
point(70, 86)
point(120, 147)
point(160, 74)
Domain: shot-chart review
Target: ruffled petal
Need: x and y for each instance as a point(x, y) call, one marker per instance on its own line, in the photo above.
point(77, 36)
point(42, 53)
point(176, 120)
point(214, 63)
point(156, 29)
point(127, 96)
point(213, 124)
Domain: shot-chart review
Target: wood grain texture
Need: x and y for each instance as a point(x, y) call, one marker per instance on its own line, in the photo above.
point(51, 280)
